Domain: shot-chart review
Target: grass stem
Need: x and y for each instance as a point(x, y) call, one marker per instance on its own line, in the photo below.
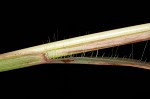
point(46, 53)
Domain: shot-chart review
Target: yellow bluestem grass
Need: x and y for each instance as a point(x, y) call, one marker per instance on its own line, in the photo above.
point(46, 53)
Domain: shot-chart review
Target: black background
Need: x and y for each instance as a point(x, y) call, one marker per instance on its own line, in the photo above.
point(21, 28)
